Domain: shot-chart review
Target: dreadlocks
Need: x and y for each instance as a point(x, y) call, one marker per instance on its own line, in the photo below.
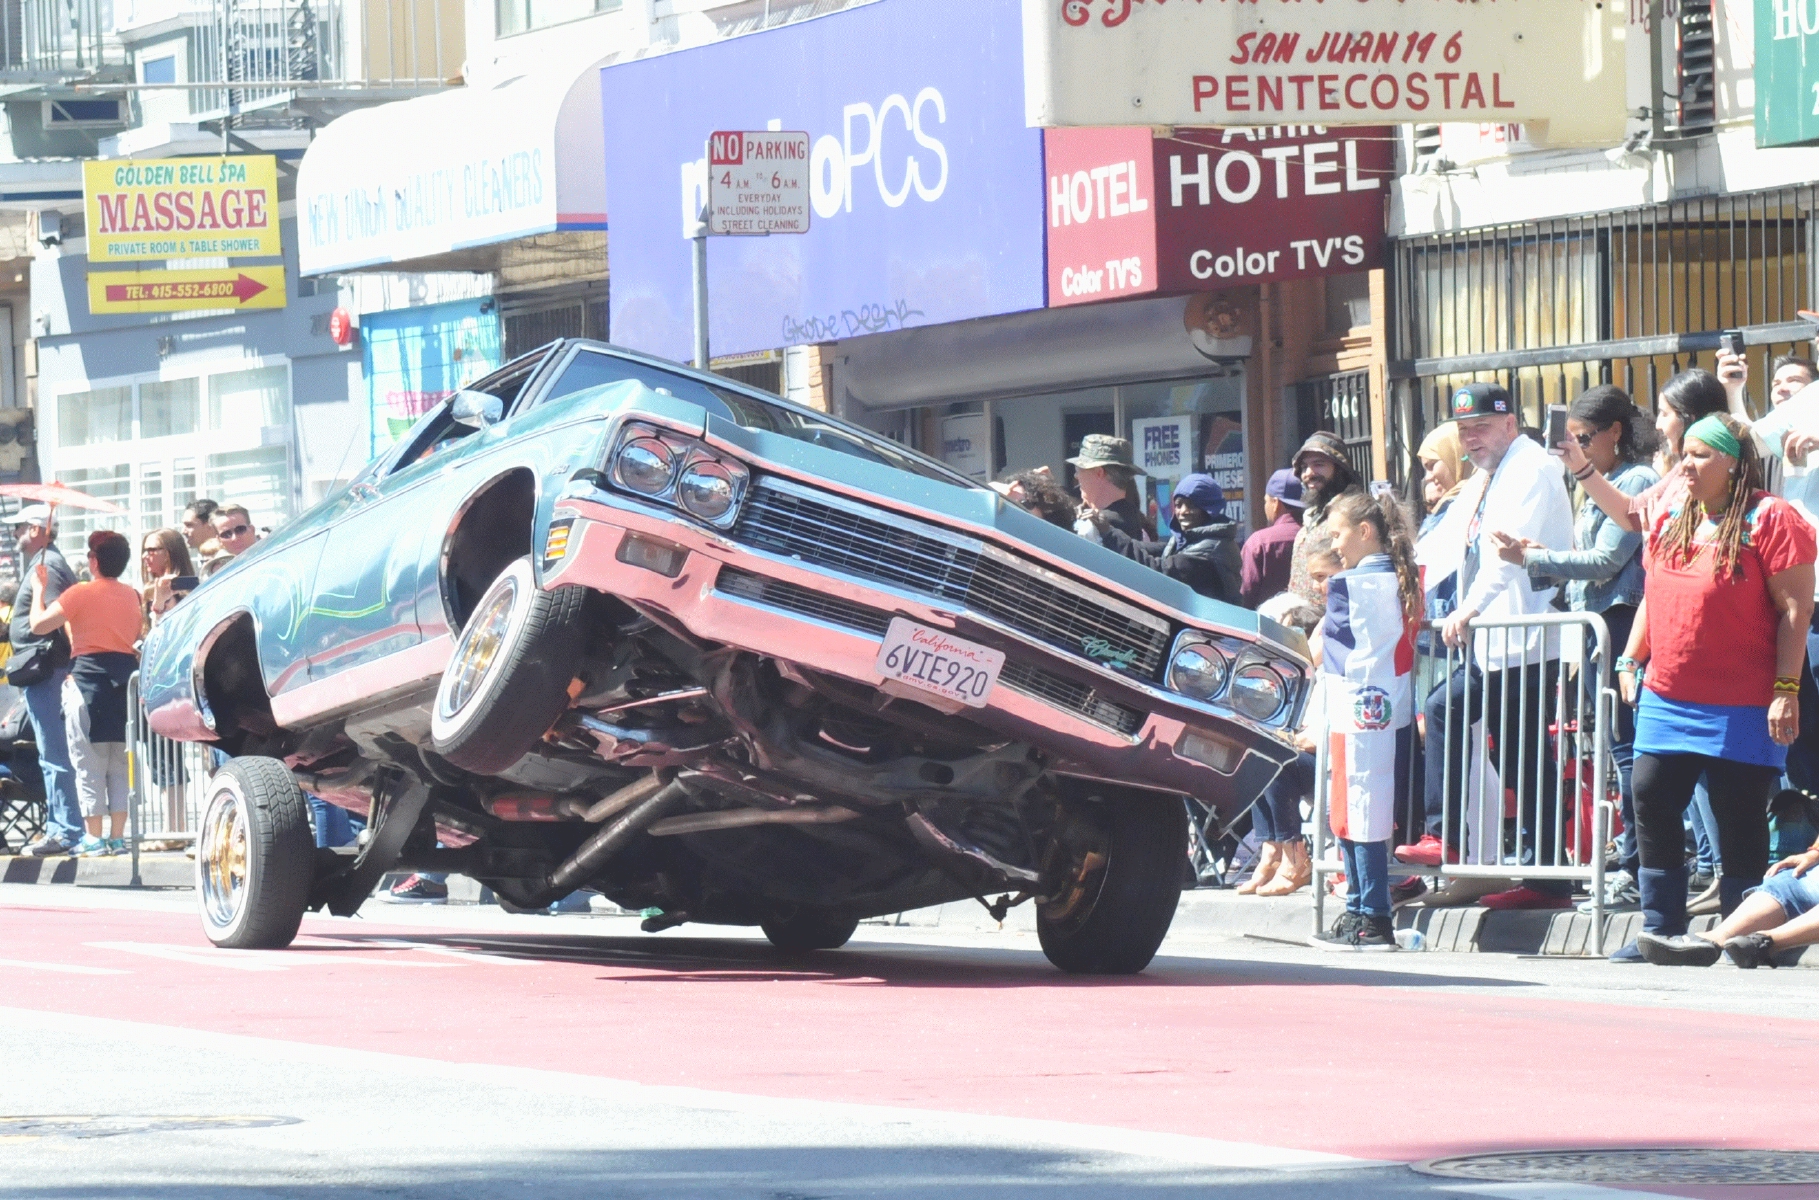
point(1733, 524)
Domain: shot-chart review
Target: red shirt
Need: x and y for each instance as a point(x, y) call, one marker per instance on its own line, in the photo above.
point(1648, 505)
point(1712, 641)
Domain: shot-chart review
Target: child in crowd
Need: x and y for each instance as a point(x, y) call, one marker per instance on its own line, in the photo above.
point(1367, 660)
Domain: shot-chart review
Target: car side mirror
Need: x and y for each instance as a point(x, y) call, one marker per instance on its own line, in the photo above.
point(476, 409)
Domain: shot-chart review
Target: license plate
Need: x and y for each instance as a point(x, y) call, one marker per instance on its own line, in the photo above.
point(939, 662)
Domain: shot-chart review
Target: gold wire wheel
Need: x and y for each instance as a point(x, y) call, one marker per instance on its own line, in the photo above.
point(479, 649)
point(223, 855)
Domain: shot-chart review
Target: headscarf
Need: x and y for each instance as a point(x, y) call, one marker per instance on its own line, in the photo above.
point(1710, 430)
point(1442, 442)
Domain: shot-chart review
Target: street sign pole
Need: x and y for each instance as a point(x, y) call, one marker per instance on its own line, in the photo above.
point(700, 255)
point(757, 185)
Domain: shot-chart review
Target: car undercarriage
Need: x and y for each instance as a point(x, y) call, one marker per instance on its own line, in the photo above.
point(708, 784)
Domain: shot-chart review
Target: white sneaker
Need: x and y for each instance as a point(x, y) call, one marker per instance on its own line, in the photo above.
point(1620, 895)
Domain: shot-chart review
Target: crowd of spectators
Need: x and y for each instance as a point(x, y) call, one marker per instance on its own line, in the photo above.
point(74, 644)
point(1701, 573)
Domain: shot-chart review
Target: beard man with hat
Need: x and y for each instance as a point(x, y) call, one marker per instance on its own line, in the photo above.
point(1325, 474)
point(44, 572)
point(1269, 553)
point(1505, 678)
point(1104, 470)
point(1202, 550)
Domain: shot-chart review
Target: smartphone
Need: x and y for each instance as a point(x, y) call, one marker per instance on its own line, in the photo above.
point(185, 583)
point(1556, 427)
point(1731, 341)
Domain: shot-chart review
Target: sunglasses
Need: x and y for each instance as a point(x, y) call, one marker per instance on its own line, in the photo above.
point(235, 531)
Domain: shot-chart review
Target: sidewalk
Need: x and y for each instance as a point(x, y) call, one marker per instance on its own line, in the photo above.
point(1205, 913)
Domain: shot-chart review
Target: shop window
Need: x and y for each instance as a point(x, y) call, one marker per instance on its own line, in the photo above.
point(258, 479)
point(95, 418)
point(169, 408)
point(245, 402)
point(521, 16)
point(75, 524)
point(158, 70)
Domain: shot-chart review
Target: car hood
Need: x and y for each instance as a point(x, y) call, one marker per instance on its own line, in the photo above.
point(980, 511)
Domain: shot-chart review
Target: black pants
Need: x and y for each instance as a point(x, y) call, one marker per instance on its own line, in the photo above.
point(1740, 795)
point(1513, 704)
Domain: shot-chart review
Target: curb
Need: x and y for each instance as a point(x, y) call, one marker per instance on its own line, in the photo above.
point(1216, 913)
point(155, 870)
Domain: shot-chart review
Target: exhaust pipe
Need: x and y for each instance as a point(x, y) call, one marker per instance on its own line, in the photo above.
point(650, 799)
point(740, 817)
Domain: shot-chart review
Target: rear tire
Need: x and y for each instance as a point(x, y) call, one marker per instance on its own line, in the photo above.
point(255, 856)
point(1125, 893)
point(508, 678)
point(809, 929)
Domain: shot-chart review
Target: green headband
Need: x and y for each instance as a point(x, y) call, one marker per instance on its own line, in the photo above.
point(1710, 430)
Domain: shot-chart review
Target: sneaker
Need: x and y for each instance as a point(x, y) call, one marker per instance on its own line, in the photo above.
point(1750, 951)
point(1405, 891)
point(1340, 934)
point(92, 847)
point(1620, 895)
point(1425, 853)
point(415, 889)
point(1524, 897)
point(117, 846)
point(1681, 950)
point(1627, 953)
point(48, 846)
point(1699, 883)
point(1360, 933)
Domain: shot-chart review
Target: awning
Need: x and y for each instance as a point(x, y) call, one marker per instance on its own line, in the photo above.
point(468, 167)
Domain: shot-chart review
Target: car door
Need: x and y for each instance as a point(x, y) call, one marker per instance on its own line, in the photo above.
point(378, 563)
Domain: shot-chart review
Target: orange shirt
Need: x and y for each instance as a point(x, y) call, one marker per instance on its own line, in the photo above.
point(104, 614)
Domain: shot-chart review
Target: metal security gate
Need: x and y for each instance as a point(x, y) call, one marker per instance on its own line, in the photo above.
point(1549, 308)
point(1340, 404)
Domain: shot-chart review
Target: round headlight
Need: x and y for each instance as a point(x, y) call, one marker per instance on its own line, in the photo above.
point(1258, 692)
point(1198, 671)
point(706, 490)
point(645, 465)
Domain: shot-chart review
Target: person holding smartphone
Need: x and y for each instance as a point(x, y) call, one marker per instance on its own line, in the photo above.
point(166, 573)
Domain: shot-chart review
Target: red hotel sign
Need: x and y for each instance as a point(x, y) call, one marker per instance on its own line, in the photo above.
point(1130, 214)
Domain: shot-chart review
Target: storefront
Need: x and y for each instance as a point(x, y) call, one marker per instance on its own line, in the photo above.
point(152, 411)
point(983, 290)
point(467, 227)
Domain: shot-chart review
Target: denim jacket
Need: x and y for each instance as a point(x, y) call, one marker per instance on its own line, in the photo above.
point(1606, 566)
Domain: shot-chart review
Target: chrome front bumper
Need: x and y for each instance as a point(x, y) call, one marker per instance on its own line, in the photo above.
point(1093, 723)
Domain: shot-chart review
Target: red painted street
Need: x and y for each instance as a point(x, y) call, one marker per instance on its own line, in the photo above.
point(1395, 1058)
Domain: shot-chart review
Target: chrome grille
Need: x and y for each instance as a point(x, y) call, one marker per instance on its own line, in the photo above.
point(785, 523)
point(798, 599)
point(1075, 697)
point(1068, 617)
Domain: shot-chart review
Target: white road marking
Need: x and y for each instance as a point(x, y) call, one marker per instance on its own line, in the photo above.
point(1552, 1191)
point(1180, 1148)
point(262, 960)
point(64, 968)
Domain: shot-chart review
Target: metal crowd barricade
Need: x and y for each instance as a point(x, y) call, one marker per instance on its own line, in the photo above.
point(168, 781)
point(1531, 780)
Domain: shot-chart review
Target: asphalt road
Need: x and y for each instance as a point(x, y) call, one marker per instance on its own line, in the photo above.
point(466, 1053)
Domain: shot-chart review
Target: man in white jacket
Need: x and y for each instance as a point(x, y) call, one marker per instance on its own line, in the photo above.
point(1508, 676)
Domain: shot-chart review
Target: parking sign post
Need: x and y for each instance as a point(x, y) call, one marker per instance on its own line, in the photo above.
point(757, 185)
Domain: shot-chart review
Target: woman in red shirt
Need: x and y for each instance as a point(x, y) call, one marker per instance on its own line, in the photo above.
point(1713, 665)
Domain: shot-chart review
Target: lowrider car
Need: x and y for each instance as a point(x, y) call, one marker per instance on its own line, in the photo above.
point(603, 621)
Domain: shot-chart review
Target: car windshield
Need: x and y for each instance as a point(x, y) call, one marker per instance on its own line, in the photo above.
point(590, 369)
